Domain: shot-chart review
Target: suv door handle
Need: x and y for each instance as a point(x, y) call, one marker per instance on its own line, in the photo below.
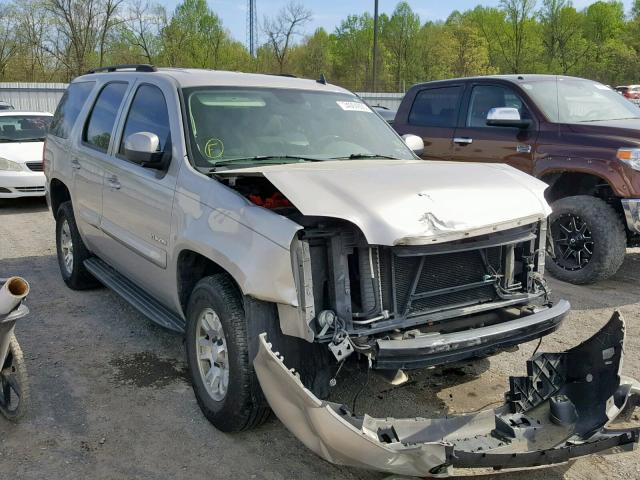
point(462, 140)
point(75, 164)
point(113, 182)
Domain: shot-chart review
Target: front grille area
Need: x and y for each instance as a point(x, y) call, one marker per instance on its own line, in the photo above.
point(30, 189)
point(426, 283)
point(35, 166)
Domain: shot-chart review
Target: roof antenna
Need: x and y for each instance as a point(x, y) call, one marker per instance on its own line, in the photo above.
point(322, 79)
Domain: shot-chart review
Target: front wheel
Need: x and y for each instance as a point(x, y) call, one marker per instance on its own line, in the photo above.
point(589, 240)
point(217, 345)
point(14, 383)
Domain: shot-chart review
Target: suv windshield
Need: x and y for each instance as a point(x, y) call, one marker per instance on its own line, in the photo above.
point(23, 128)
point(229, 126)
point(573, 100)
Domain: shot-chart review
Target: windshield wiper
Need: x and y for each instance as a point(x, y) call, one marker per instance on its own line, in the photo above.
point(357, 156)
point(263, 158)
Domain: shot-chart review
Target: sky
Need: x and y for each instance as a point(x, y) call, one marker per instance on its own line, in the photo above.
point(329, 13)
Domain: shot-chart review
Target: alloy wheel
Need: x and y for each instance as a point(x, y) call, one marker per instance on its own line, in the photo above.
point(211, 348)
point(573, 242)
point(66, 246)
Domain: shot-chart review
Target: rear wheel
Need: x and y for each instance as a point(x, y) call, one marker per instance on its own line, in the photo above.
point(72, 251)
point(589, 240)
point(14, 383)
point(217, 345)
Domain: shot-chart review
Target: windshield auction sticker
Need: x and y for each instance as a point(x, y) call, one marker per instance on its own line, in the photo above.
point(214, 148)
point(353, 106)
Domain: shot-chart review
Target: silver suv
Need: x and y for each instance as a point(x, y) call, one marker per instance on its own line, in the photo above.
point(258, 213)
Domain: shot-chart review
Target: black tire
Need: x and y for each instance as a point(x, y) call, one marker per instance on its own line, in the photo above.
point(590, 256)
point(77, 277)
point(243, 405)
point(14, 383)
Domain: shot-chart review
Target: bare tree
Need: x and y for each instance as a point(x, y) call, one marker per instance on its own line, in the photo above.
point(283, 28)
point(144, 24)
point(109, 20)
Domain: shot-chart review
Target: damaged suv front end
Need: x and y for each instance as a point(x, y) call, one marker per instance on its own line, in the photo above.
point(355, 249)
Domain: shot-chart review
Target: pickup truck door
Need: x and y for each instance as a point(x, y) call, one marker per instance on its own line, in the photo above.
point(433, 115)
point(137, 201)
point(474, 141)
point(88, 157)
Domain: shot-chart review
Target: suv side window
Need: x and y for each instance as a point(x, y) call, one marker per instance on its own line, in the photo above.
point(486, 97)
point(102, 119)
point(148, 113)
point(69, 108)
point(436, 107)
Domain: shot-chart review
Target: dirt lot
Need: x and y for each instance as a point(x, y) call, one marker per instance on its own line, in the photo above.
point(110, 399)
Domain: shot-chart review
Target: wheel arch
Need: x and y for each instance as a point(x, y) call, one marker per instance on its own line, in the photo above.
point(58, 194)
point(568, 183)
point(191, 267)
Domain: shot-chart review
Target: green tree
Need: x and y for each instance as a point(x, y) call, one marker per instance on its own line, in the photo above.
point(399, 35)
point(353, 50)
point(562, 36)
point(194, 37)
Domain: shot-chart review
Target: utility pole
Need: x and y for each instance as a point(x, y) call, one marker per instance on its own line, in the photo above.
point(252, 27)
point(375, 46)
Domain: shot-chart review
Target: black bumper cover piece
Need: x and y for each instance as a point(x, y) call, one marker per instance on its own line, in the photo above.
point(453, 347)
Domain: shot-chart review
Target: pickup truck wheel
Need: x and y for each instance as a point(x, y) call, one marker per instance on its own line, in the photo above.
point(217, 345)
point(589, 240)
point(72, 251)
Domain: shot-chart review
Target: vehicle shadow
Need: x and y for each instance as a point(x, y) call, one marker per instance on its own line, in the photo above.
point(11, 206)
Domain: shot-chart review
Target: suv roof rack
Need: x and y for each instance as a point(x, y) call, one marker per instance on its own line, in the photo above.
point(138, 67)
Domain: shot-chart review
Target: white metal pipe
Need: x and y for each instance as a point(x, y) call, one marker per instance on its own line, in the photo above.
point(11, 293)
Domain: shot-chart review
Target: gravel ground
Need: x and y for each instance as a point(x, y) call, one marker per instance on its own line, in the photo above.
point(110, 397)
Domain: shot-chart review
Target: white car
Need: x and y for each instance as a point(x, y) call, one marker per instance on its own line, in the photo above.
point(21, 141)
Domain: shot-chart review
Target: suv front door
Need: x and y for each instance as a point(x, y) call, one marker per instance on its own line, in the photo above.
point(475, 141)
point(433, 117)
point(137, 201)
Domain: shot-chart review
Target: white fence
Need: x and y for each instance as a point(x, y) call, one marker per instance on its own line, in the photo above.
point(34, 97)
point(389, 100)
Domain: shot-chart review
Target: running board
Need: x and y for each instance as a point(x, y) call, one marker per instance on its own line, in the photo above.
point(138, 298)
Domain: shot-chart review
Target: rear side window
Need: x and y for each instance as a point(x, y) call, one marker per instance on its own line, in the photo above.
point(148, 113)
point(436, 107)
point(99, 127)
point(69, 108)
point(486, 97)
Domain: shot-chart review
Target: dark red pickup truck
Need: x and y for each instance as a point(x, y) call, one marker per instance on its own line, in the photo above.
point(579, 136)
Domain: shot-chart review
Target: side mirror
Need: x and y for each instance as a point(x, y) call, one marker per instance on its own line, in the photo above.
point(143, 148)
point(506, 117)
point(414, 142)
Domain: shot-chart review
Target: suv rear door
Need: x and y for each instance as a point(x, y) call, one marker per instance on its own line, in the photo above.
point(89, 153)
point(433, 116)
point(475, 141)
point(137, 201)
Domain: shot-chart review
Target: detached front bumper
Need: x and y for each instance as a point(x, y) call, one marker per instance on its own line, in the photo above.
point(631, 207)
point(559, 411)
point(439, 349)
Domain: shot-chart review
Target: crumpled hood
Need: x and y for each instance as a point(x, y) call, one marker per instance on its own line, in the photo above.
point(396, 202)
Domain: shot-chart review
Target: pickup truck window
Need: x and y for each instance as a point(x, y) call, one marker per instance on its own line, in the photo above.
point(148, 113)
point(436, 107)
point(69, 108)
point(99, 126)
point(486, 97)
point(566, 100)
